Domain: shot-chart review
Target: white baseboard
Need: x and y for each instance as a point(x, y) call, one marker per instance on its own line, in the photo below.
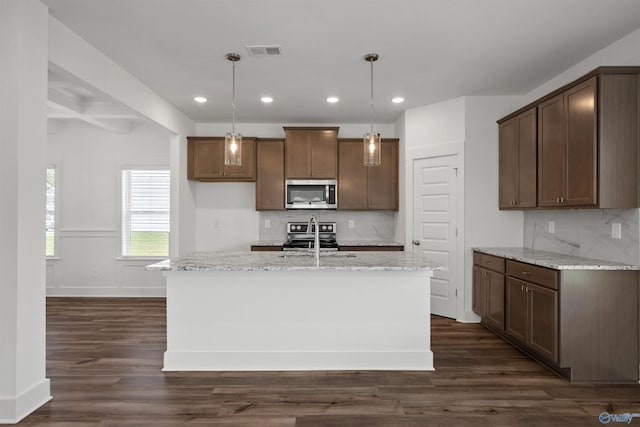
point(469, 317)
point(106, 292)
point(12, 410)
point(297, 361)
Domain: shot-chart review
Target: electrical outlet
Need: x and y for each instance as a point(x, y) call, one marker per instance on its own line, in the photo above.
point(267, 223)
point(552, 227)
point(351, 224)
point(616, 230)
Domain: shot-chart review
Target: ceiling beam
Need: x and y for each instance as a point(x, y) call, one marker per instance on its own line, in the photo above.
point(71, 106)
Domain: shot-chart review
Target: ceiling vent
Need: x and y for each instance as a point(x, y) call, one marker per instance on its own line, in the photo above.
point(272, 50)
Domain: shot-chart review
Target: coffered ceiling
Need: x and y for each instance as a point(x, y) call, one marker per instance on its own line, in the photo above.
point(430, 50)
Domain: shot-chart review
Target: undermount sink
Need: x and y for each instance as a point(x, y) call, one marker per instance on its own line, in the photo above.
point(323, 254)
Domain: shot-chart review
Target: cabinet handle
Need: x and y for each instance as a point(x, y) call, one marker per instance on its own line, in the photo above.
point(522, 288)
point(525, 273)
point(557, 199)
point(527, 289)
point(561, 199)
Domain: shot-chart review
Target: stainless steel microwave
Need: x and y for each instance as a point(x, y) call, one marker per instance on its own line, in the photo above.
point(311, 194)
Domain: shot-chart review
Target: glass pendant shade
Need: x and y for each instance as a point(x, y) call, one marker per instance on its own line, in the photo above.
point(233, 149)
point(371, 149)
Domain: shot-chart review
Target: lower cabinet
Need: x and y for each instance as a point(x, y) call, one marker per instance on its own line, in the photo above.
point(488, 296)
point(583, 324)
point(532, 317)
point(488, 289)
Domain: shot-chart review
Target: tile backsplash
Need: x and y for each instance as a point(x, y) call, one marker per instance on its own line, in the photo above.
point(380, 225)
point(585, 232)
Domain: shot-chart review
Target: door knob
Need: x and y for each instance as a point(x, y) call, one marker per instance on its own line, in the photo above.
point(416, 242)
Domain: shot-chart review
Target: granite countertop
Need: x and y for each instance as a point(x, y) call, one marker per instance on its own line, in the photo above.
point(340, 243)
point(296, 261)
point(555, 260)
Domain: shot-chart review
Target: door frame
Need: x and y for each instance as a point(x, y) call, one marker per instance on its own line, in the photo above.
point(412, 155)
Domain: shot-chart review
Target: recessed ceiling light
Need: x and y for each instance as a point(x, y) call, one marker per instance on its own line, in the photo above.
point(266, 99)
point(200, 99)
point(333, 99)
point(397, 100)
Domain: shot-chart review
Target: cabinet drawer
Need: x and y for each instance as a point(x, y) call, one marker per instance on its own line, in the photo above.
point(532, 273)
point(491, 262)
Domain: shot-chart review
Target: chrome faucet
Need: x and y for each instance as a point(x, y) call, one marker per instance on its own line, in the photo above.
point(316, 241)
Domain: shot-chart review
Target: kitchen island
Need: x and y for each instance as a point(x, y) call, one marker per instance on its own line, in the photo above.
point(279, 311)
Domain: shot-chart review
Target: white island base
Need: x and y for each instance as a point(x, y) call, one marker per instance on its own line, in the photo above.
point(298, 320)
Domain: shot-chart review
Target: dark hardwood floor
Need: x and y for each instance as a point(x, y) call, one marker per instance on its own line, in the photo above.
point(104, 359)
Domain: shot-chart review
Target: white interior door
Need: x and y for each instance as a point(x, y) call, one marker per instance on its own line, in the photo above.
point(435, 227)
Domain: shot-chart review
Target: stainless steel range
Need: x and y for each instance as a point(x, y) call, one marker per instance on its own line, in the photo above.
point(299, 238)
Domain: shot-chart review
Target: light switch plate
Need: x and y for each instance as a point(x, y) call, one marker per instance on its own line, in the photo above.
point(351, 225)
point(267, 223)
point(616, 230)
point(552, 227)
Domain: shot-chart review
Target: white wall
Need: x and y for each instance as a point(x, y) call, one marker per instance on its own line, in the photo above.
point(435, 124)
point(23, 103)
point(88, 161)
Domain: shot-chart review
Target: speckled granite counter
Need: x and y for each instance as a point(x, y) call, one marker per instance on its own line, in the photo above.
point(280, 261)
point(555, 260)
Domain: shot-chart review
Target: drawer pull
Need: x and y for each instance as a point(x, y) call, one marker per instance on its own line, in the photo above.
point(525, 273)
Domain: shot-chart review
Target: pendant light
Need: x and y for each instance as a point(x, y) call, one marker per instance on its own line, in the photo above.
point(371, 147)
point(233, 140)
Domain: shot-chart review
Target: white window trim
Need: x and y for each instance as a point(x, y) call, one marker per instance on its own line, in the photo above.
point(119, 256)
point(57, 216)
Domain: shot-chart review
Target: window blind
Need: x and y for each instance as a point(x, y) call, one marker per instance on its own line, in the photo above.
point(145, 212)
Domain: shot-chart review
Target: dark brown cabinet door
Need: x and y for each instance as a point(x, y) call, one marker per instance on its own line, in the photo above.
point(382, 184)
point(543, 321)
point(479, 297)
point(297, 154)
point(508, 164)
point(324, 154)
point(516, 309)
point(552, 151)
point(367, 187)
point(495, 299)
point(352, 176)
point(247, 170)
point(581, 175)
point(270, 175)
point(311, 153)
point(206, 159)
point(518, 145)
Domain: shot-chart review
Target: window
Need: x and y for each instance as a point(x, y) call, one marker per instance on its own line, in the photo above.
point(50, 216)
point(145, 213)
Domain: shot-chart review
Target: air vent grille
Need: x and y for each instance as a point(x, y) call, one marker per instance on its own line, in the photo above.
point(271, 50)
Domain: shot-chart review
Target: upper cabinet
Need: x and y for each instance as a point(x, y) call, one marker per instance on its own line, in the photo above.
point(205, 160)
point(587, 145)
point(518, 161)
point(311, 153)
point(567, 148)
point(270, 174)
point(367, 187)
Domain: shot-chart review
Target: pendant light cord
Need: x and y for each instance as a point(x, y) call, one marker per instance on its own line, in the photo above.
point(233, 102)
point(372, 112)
